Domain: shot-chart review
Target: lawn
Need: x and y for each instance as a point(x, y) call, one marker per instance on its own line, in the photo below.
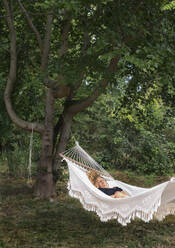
point(26, 222)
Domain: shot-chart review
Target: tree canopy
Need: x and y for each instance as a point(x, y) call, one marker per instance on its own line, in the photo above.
point(58, 57)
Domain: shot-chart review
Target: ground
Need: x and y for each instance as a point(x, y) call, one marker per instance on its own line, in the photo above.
point(26, 222)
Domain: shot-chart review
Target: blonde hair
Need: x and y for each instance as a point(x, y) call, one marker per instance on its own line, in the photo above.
point(93, 175)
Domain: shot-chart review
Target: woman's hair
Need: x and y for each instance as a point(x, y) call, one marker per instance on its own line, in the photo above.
point(93, 175)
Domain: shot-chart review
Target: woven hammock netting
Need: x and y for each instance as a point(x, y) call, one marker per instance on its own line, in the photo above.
point(144, 203)
point(78, 155)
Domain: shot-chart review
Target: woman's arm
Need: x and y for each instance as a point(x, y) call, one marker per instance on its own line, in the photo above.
point(120, 194)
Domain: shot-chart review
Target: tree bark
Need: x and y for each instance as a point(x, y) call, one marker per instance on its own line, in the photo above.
point(57, 129)
point(63, 139)
point(44, 187)
point(32, 26)
point(12, 78)
point(72, 110)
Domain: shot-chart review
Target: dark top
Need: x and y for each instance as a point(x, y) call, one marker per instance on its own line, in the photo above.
point(110, 191)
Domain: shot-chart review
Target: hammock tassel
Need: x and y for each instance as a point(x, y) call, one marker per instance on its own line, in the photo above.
point(143, 203)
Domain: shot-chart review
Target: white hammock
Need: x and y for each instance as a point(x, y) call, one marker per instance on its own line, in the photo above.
point(144, 203)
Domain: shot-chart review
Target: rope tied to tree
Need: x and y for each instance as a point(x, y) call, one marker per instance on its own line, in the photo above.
point(30, 158)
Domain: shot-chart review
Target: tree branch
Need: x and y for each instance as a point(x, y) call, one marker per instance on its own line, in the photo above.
point(46, 48)
point(128, 38)
point(57, 129)
point(64, 36)
point(77, 86)
point(12, 77)
point(111, 69)
point(31, 25)
point(76, 108)
point(138, 6)
point(86, 43)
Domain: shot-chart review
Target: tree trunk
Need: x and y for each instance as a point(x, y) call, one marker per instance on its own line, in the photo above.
point(63, 140)
point(44, 187)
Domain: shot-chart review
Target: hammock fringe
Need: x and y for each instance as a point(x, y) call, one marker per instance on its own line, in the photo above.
point(136, 213)
point(143, 203)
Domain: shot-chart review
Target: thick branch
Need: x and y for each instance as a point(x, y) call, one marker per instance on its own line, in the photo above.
point(57, 129)
point(46, 49)
point(49, 83)
point(98, 90)
point(12, 77)
point(31, 25)
point(77, 86)
point(64, 36)
point(83, 51)
point(86, 43)
point(13, 59)
point(63, 139)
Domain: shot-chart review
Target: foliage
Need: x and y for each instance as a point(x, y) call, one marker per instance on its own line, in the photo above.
point(135, 138)
point(140, 55)
point(15, 155)
point(130, 126)
point(169, 5)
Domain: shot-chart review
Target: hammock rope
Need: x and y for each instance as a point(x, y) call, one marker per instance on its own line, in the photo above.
point(30, 157)
point(80, 157)
point(144, 203)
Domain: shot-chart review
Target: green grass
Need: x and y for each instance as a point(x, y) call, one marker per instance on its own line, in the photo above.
point(29, 223)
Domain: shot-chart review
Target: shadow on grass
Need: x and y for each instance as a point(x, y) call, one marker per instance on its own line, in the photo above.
point(29, 223)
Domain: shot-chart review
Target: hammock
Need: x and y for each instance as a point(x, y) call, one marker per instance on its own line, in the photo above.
point(144, 203)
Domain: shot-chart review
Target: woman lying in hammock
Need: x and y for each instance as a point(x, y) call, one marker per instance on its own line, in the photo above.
point(102, 185)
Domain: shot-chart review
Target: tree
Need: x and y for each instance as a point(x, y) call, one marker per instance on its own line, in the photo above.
point(81, 48)
point(138, 137)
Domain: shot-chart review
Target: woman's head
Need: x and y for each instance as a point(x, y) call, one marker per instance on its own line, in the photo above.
point(97, 180)
point(101, 182)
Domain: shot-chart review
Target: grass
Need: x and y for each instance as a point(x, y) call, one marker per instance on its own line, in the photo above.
point(29, 223)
